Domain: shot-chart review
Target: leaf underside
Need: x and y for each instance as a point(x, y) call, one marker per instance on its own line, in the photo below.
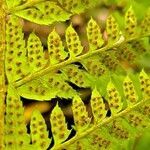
point(130, 114)
point(43, 74)
point(36, 71)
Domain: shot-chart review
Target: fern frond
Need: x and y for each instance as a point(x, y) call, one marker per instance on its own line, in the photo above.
point(16, 60)
point(73, 43)
point(40, 12)
point(39, 134)
point(58, 126)
point(60, 58)
point(129, 91)
point(94, 66)
point(112, 30)
point(98, 107)
point(16, 136)
point(80, 114)
point(119, 104)
point(145, 23)
point(94, 35)
point(124, 125)
point(36, 58)
point(56, 48)
point(47, 12)
point(130, 23)
point(76, 76)
point(46, 88)
point(114, 98)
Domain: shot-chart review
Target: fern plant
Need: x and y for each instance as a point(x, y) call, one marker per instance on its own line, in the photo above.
point(119, 107)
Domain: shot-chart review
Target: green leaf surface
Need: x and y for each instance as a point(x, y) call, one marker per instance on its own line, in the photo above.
point(13, 3)
point(112, 30)
point(94, 66)
point(80, 114)
point(146, 23)
point(55, 48)
point(16, 136)
point(46, 88)
point(98, 106)
point(16, 62)
point(76, 76)
point(36, 57)
point(39, 133)
point(77, 6)
point(117, 110)
point(58, 125)
point(130, 23)
point(114, 98)
point(129, 91)
point(45, 13)
point(94, 35)
point(73, 42)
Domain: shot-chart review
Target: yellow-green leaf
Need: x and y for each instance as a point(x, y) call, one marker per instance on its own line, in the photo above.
point(39, 133)
point(56, 48)
point(36, 56)
point(94, 35)
point(58, 126)
point(80, 115)
point(73, 42)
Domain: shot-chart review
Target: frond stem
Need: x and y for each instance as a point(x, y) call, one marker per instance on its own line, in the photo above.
point(76, 59)
point(105, 121)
